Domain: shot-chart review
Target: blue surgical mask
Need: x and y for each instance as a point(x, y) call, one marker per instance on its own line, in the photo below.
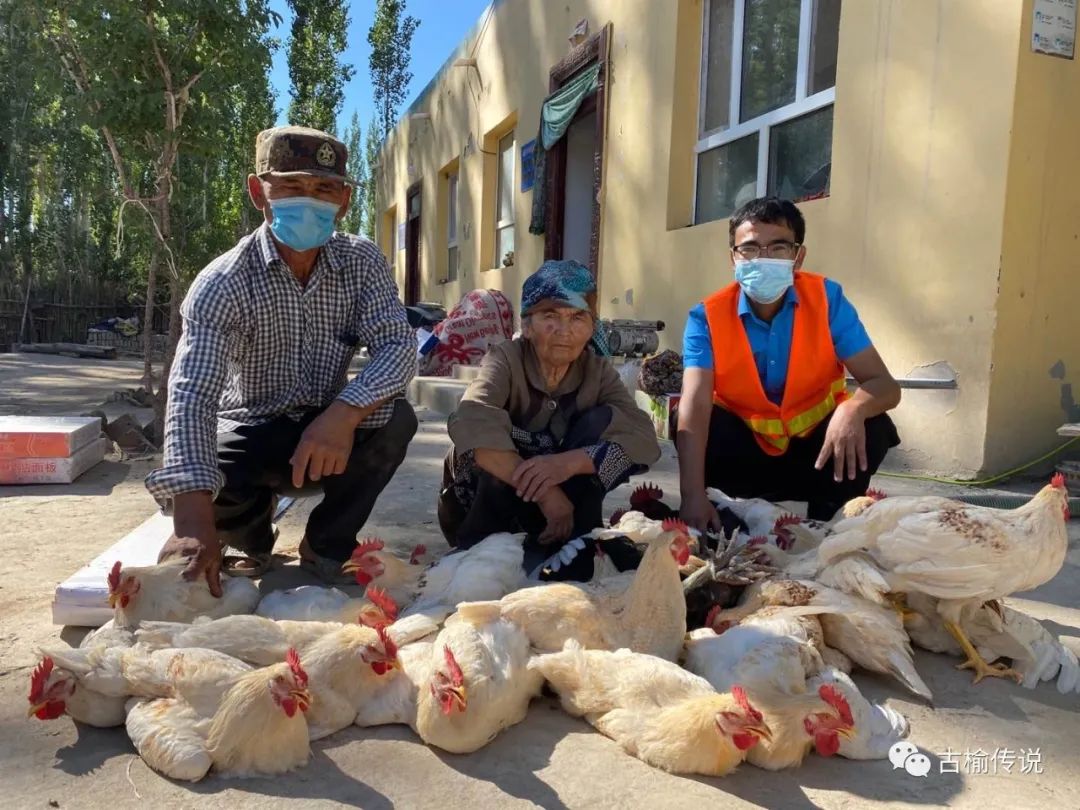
point(765, 280)
point(303, 223)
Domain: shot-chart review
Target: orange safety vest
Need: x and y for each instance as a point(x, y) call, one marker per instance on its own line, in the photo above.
point(815, 382)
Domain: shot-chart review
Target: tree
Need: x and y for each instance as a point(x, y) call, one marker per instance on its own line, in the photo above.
point(390, 38)
point(371, 163)
point(154, 80)
point(319, 35)
point(354, 219)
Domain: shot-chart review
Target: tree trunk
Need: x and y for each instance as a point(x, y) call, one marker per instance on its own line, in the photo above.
point(148, 320)
point(26, 311)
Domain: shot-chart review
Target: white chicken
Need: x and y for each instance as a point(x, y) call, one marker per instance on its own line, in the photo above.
point(315, 603)
point(959, 554)
point(160, 593)
point(91, 684)
point(489, 570)
point(997, 631)
point(876, 728)
point(654, 709)
point(345, 667)
point(642, 610)
point(870, 634)
point(261, 641)
point(773, 659)
point(759, 515)
point(55, 691)
point(257, 727)
point(471, 683)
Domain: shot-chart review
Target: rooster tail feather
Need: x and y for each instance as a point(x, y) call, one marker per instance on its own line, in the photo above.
point(75, 660)
point(903, 669)
point(480, 613)
point(888, 722)
point(1069, 677)
point(157, 635)
point(568, 674)
point(794, 566)
point(477, 613)
point(858, 577)
point(412, 628)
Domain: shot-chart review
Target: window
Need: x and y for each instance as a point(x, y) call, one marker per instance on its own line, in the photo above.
point(767, 90)
point(451, 227)
point(504, 200)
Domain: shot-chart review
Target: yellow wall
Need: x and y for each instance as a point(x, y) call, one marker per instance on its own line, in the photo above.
point(1037, 343)
point(913, 229)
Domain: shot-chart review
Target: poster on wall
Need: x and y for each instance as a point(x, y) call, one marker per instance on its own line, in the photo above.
point(528, 168)
point(1053, 28)
point(400, 237)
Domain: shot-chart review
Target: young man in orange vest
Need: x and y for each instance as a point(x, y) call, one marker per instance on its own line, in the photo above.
point(765, 411)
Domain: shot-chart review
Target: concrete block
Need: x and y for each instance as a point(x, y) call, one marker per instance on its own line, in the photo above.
point(438, 394)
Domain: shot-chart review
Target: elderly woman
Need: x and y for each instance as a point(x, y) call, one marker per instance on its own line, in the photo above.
point(546, 430)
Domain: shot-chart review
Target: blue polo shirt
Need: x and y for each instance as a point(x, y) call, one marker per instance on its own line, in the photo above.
point(770, 343)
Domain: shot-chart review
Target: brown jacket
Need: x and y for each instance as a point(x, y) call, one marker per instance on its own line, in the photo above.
point(510, 392)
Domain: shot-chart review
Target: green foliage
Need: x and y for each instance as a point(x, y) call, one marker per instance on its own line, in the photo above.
point(127, 130)
point(371, 162)
point(353, 221)
point(390, 38)
point(319, 35)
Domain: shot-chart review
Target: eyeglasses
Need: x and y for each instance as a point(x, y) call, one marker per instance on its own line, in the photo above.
point(774, 250)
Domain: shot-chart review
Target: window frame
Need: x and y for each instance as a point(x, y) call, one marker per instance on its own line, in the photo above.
point(501, 224)
point(802, 105)
point(452, 182)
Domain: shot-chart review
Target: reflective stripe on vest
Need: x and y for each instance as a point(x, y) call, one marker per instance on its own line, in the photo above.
point(815, 384)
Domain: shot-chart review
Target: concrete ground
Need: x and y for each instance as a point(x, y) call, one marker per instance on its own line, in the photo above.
point(550, 760)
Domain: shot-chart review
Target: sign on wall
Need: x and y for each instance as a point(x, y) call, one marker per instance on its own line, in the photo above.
point(400, 237)
point(1053, 28)
point(528, 168)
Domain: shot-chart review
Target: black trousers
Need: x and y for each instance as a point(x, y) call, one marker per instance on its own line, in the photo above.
point(497, 508)
point(736, 464)
point(255, 461)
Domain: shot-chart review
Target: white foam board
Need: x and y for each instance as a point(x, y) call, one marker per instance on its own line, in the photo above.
point(83, 598)
point(46, 436)
point(52, 470)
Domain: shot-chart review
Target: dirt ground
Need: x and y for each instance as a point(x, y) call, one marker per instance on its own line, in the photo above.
point(550, 760)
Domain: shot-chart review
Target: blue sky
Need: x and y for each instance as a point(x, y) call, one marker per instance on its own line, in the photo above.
point(443, 24)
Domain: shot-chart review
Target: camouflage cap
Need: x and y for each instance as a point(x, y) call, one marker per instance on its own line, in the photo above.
point(300, 150)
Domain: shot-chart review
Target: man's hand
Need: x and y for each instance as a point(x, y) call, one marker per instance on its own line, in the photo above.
point(195, 538)
point(533, 479)
point(845, 442)
point(698, 513)
point(559, 513)
point(325, 445)
point(203, 555)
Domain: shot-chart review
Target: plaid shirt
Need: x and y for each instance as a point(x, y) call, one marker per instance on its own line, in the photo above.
point(257, 344)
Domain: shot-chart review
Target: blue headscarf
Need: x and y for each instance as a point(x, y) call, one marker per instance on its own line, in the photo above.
point(568, 283)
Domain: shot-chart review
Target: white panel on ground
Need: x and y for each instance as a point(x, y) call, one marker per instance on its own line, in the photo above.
point(83, 598)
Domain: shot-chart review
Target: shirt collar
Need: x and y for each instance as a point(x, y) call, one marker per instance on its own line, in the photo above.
point(269, 253)
point(791, 298)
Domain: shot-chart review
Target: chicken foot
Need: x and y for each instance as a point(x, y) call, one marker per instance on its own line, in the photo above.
point(976, 662)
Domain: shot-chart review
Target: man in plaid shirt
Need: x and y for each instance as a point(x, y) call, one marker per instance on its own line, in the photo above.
point(259, 402)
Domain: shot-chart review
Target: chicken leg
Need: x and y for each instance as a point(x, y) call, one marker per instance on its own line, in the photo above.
point(898, 602)
point(977, 662)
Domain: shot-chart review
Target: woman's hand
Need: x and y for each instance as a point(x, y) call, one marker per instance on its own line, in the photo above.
point(559, 513)
point(535, 478)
